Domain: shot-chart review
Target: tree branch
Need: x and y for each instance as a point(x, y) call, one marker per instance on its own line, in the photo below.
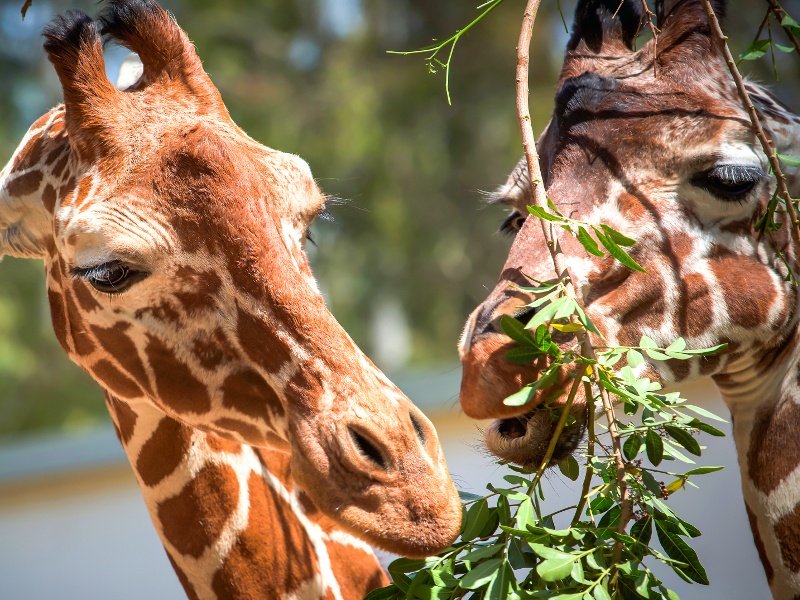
point(551, 238)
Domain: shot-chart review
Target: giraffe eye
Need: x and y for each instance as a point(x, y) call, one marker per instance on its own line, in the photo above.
point(729, 182)
point(111, 277)
point(512, 224)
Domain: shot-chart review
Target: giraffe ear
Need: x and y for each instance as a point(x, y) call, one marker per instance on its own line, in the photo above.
point(74, 46)
point(24, 221)
point(167, 56)
point(684, 23)
point(600, 23)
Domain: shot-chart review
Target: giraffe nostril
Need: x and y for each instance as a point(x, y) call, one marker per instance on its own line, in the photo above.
point(525, 314)
point(418, 428)
point(368, 449)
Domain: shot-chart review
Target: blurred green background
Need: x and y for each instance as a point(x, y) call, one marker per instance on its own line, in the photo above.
point(411, 253)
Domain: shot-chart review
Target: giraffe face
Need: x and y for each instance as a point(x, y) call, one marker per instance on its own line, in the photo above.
point(669, 160)
point(177, 277)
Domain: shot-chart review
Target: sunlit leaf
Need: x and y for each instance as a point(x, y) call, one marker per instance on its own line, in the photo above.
point(654, 447)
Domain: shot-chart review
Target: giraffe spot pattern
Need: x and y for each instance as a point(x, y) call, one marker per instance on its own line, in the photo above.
point(163, 311)
point(125, 418)
point(176, 386)
point(49, 198)
point(188, 588)
point(762, 553)
point(202, 287)
point(114, 380)
point(770, 459)
point(213, 350)
point(260, 343)
point(24, 185)
point(787, 531)
point(163, 452)
point(85, 298)
point(115, 341)
point(30, 155)
point(194, 519)
point(249, 433)
point(357, 575)
point(747, 287)
point(271, 524)
point(81, 341)
point(247, 392)
point(218, 443)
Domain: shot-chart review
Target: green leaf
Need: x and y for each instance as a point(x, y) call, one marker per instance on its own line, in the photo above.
point(569, 468)
point(703, 470)
point(390, 592)
point(611, 518)
point(481, 575)
point(525, 515)
point(619, 238)
point(678, 549)
point(642, 529)
point(677, 346)
point(755, 50)
point(588, 242)
point(554, 569)
point(631, 446)
point(548, 553)
point(654, 447)
point(546, 313)
point(601, 504)
point(791, 161)
point(698, 424)
point(704, 413)
point(500, 586)
point(518, 557)
point(600, 592)
point(670, 595)
point(790, 23)
point(538, 211)
point(782, 48)
point(647, 342)
point(525, 394)
point(634, 358)
point(706, 351)
point(514, 329)
point(475, 520)
point(642, 585)
point(468, 496)
point(523, 355)
point(482, 552)
point(650, 483)
point(618, 253)
point(684, 438)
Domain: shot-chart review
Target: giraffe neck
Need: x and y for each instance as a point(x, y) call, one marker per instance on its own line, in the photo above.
point(764, 400)
point(230, 520)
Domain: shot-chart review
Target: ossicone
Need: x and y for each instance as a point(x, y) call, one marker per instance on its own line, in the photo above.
point(601, 24)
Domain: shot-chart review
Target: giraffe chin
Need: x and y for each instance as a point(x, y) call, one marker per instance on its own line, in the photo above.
point(524, 440)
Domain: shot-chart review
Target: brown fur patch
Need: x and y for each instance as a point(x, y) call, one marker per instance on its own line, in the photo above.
point(163, 452)
point(49, 198)
point(163, 311)
point(201, 289)
point(248, 432)
point(247, 392)
point(213, 350)
point(87, 301)
point(117, 343)
point(195, 518)
point(187, 586)
point(217, 443)
point(696, 310)
point(357, 571)
point(787, 531)
point(125, 418)
point(114, 380)
point(177, 387)
point(762, 553)
point(59, 318)
point(24, 184)
point(58, 169)
point(81, 340)
point(747, 287)
point(260, 343)
point(273, 556)
point(770, 459)
point(30, 155)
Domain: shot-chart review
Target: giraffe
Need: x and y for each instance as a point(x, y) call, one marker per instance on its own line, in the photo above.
point(655, 142)
point(269, 450)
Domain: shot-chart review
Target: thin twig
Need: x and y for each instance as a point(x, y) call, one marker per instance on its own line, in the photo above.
point(551, 238)
point(655, 31)
point(779, 13)
point(587, 480)
point(766, 144)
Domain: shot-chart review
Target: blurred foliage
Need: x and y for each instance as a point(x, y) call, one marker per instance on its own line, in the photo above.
point(410, 253)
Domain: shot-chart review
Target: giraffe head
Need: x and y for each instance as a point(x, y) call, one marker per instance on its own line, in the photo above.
point(656, 144)
point(176, 276)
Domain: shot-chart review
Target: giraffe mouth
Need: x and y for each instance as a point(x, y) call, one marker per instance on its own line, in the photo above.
point(524, 439)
